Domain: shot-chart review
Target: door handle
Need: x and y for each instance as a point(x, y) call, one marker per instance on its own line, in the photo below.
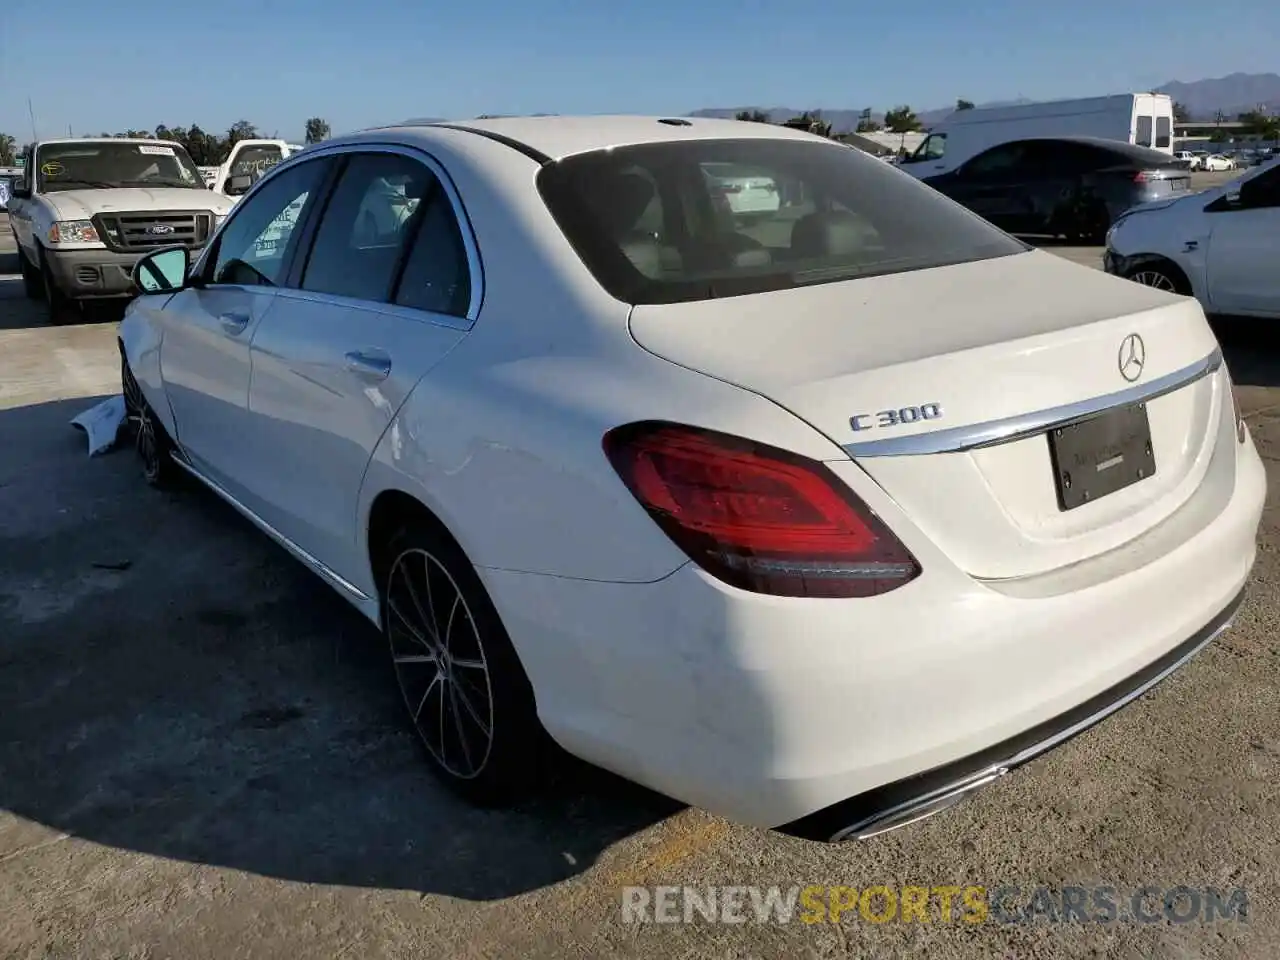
point(369, 366)
point(234, 323)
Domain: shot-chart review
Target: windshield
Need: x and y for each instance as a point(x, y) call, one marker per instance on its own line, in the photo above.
point(255, 161)
point(674, 222)
point(74, 166)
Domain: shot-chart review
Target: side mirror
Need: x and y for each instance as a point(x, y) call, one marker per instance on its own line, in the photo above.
point(238, 184)
point(162, 271)
point(20, 190)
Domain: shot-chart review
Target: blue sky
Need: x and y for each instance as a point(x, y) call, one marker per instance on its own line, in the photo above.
point(106, 64)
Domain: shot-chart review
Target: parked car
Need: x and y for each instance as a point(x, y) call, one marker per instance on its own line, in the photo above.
point(820, 522)
point(745, 191)
point(86, 209)
point(1064, 186)
point(1218, 163)
point(1220, 246)
point(1192, 160)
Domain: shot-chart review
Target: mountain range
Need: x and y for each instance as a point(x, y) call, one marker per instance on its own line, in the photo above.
point(1204, 100)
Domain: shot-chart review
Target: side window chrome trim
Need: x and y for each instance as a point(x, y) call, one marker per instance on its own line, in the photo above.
point(475, 268)
point(414, 314)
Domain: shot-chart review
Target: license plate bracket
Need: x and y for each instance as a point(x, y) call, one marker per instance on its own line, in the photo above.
point(1101, 454)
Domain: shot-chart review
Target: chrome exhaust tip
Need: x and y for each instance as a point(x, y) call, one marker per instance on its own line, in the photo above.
point(916, 809)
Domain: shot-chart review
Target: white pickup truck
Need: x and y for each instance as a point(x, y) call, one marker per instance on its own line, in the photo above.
point(86, 209)
point(251, 158)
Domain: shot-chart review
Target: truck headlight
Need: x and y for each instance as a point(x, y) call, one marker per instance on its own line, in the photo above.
point(73, 231)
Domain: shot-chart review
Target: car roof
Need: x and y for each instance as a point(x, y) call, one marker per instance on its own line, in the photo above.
point(556, 137)
point(1131, 150)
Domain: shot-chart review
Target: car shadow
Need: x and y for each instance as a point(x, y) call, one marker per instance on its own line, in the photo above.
point(1251, 348)
point(175, 684)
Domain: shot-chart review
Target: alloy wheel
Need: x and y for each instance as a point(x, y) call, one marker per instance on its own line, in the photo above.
point(440, 663)
point(138, 414)
point(1154, 278)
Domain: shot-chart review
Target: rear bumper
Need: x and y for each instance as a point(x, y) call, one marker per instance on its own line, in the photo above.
point(90, 274)
point(815, 716)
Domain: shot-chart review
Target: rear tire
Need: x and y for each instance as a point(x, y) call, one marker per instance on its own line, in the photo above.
point(468, 697)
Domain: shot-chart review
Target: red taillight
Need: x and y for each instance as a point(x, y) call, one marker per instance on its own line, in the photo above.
point(756, 517)
point(1140, 177)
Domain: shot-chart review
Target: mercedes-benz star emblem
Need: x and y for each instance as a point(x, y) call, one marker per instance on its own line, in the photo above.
point(1132, 357)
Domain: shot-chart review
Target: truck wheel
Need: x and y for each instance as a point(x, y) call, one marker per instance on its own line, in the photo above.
point(32, 283)
point(61, 307)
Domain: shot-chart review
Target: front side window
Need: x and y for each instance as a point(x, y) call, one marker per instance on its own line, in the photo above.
point(365, 226)
point(833, 214)
point(253, 245)
point(997, 161)
point(933, 148)
point(76, 165)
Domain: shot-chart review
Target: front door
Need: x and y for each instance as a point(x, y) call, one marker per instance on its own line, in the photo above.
point(384, 294)
point(208, 327)
point(1244, 249)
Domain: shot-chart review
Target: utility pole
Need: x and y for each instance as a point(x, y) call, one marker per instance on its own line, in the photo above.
point(32, 114)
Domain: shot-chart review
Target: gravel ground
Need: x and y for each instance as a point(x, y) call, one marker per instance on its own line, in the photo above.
point(202, 755)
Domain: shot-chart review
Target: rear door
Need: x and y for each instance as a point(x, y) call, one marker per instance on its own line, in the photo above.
point(1244, 249)
point(386, 290)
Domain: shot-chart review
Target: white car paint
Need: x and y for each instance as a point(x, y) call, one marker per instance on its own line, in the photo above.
point(760, 706)
point(1217, 163)
point(1221, 245)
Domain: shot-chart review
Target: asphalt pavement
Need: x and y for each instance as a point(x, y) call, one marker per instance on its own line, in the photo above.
point(202, 754)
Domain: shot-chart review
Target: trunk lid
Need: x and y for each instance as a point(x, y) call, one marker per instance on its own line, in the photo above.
point(925, 363)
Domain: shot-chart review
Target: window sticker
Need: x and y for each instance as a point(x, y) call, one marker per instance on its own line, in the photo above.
point(155, 151)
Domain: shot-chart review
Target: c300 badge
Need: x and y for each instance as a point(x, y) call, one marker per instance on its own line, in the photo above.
point(901, 417)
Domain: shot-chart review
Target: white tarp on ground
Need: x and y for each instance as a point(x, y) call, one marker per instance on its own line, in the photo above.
point(101, 423)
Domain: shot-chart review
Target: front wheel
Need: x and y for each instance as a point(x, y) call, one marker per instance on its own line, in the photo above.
point(1158, 276)
point(32, 282)
point(150, 439)
point(467, 694)
point(61, 307)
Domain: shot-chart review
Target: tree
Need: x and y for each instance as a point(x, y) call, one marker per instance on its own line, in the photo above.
point(964, 105)
point(240, 130)
point(8, 150)
point(901, 120)
point(867, 123)
point(752, 116)
point(1180, 112)
point(317, 130)
point(1257, 123)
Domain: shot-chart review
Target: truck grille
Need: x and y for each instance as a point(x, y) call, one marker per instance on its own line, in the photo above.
point(147, 231)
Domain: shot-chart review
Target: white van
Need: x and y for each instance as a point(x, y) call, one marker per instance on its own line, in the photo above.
point(1142, 119)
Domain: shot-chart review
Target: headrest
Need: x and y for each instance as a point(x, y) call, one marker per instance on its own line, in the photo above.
point(827, 234)
point(619, 199)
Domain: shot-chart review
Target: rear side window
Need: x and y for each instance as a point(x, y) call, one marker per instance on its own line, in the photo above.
point(1164, 132)
point(436, 276)
point(1142, 136)
point(365, 226)
point(702, 219)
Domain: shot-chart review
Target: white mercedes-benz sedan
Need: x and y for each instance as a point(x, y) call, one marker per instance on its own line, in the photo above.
point(818, 520)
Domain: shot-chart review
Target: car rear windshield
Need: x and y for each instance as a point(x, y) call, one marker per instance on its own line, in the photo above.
point(701, 219)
